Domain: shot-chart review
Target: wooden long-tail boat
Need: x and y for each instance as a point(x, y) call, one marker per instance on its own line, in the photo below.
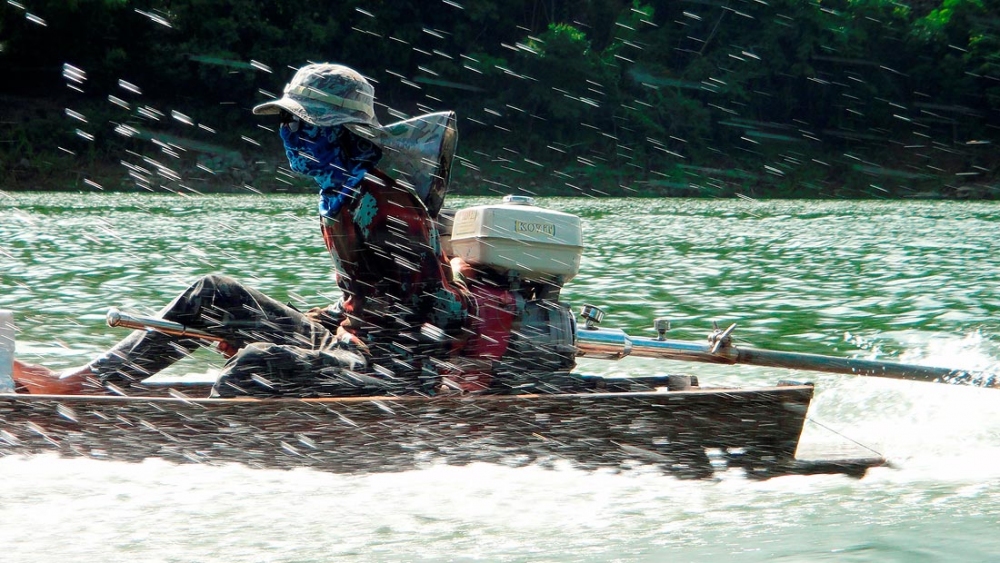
point(670, 422)
point(692, 432)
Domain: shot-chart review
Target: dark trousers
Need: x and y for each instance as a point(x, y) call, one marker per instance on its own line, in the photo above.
point(282, 351)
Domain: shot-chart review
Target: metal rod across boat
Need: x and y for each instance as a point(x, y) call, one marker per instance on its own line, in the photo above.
point(120, 318)
point(614, 344)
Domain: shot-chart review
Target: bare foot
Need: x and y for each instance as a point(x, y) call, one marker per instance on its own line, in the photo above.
point(40, 380)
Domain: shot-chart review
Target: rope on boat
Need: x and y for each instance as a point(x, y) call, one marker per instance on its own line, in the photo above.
point(844, 436)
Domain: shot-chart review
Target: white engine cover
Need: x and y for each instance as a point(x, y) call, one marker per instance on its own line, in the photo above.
point(520, 239)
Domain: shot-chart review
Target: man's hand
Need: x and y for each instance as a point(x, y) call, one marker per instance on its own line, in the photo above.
point(462, 270)
point(349, 337)
point(322, 316)
point(228, 349)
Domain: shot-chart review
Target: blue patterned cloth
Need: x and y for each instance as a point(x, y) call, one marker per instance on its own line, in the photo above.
point(333, 156)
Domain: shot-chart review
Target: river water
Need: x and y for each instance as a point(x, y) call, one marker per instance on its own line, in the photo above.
point(911, 281)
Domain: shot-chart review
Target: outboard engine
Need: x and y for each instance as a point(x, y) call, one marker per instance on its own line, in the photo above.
point(521, 255)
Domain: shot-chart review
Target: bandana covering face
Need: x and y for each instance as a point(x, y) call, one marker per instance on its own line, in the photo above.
point(334, 157)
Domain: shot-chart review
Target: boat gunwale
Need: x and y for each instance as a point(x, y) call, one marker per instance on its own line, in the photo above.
point(697, 392)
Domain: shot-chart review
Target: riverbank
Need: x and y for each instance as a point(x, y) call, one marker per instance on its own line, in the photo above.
point(47, 147)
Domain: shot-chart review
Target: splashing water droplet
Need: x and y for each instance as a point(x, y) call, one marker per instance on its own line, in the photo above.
point(74, 74)
point(260, 66)
point(181, 117)
point(76, 115)
point(125, 85)
point(35, 19)
point(155, 18)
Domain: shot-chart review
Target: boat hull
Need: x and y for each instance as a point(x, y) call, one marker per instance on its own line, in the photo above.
point(757, 429)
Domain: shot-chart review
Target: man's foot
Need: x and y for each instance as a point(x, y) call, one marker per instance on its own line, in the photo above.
point(40, 380)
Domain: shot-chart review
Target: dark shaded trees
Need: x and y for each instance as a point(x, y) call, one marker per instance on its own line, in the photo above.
point(784, 97)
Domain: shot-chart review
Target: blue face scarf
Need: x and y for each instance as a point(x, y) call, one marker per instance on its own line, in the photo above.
point(333, 156)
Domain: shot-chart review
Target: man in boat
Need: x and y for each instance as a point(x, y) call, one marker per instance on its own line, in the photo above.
point(398, 309)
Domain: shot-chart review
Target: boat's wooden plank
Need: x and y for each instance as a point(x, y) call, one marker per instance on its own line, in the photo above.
point(785, 390)
point(390, 433)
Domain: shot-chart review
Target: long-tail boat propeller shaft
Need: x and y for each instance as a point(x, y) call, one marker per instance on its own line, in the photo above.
point(614, 344)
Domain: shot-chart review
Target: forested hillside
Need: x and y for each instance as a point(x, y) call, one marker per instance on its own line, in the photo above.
point(758, 98)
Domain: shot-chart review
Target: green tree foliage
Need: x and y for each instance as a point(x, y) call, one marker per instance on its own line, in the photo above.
point(711, 97)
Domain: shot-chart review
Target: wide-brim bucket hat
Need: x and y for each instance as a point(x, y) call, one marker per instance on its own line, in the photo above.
point(327, 95)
